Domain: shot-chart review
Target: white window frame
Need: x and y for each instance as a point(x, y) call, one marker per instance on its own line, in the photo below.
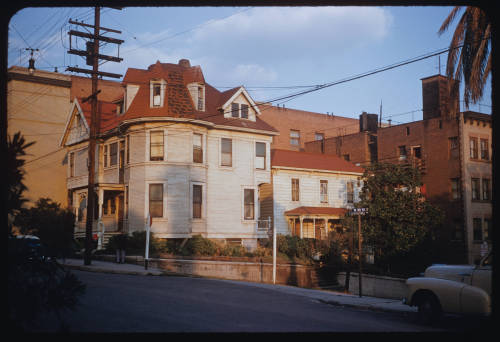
point(203, 202)
point(323, 197)
point(148, 145)
point(232, 153)
point(255, 206)
point(202, 139)
point(265, 156)
point(161, 99)
point(165, 196)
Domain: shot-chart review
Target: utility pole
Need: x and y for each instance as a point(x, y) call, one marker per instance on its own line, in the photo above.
point(92, 56)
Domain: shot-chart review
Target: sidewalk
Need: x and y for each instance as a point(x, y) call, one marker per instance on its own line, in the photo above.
point(325, 296)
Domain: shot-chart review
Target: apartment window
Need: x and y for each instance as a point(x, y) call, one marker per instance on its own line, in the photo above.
point(226, 152)
point(319, 136)
point(402, 152)
point(105, 155)
point(473, 148)
point(156, 144)
point(244, 111)
point(294, 137)
point(323, 185)
point(128, 149)
point(475, 188)
point(113, 154)
point(156, 95)
point(197, 148)
point(260, 155)
point(71, 164)
point(485, 153)
point(347, 157)
point(197, 200)
point(487, 229)
point(453, 145)
point(407, 130)
point(235, 110)
point(486, 190)
point(458, 232)
point(249, 204)
point(350, 192)
point(455, 188)
point(156, 200)
point(417, 152)
point(295, 189)
point(477, 229)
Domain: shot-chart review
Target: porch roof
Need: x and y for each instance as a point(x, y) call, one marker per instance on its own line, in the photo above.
point(324, 211)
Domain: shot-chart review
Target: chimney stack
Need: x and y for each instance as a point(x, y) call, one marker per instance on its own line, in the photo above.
point(184, 63)
point(436, 101)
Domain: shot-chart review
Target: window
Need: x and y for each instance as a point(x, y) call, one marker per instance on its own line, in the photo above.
point(200, 98)
point(458, 231)
point(473, 148)
point(156, 94)
point(477, 229)
point(402, 152)
point(455, 189)
point(487, 229)
point(323, 185)
point(156, 145)
point(197, 148)
point(249, 204)
point(485, 154)
point(235, 110)
point(105, 155)
point(71, 164)
point(294, 137)
point(407, 130)
point(350, 192)
point(226, 152)
point(486, 190)
point(113, 154)
point(260, 155)
point(475, 189)
point(295, 189)
point(128, 149)
point(417, 152)
point(319, 136)
point(197, 200)
point(347, 157)
point(244, 111)
point(453, 145)
point(156, 200)
point(440, 124)
point(126, 201)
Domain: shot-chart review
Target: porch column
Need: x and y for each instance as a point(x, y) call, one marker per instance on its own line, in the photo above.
point(100, 201)
point(301, 234)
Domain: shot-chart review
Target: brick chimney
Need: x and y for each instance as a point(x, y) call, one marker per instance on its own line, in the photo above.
point(436, 100)
point(184, 63)
point(368, 122)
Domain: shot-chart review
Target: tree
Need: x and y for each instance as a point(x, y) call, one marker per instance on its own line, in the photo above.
point(399, 218)
point(16, 148)
point(51, 223)
point(472, 62)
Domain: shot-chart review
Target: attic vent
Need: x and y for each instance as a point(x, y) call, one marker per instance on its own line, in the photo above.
point(184, 63)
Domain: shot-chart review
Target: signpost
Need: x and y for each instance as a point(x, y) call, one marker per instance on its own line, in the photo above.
point(148, 229)
point(359, 212)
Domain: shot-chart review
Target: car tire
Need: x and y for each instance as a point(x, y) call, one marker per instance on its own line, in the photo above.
point(429, 310)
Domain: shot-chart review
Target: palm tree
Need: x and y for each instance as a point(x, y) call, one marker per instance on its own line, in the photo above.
point(473, 35)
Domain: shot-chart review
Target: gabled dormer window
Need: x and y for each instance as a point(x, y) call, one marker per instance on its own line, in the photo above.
point(244, 111)
point(201, 99)
point(157, 93)
point(235, 110)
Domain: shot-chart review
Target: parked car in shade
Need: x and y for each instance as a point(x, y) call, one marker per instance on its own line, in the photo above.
point(457, 289)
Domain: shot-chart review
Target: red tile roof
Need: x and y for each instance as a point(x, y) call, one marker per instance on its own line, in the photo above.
point(317, 211)
point(315, 161)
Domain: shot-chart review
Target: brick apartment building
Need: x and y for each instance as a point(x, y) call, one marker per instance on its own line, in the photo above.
point(452, 149)
point(296, 127)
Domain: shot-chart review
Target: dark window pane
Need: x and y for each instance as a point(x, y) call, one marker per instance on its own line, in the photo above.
point(156, 200)
point(235, 110)
point(244, 111)
point(249, 204)
point(197, 200)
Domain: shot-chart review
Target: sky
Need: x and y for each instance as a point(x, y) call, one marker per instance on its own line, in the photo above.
point(274, 52)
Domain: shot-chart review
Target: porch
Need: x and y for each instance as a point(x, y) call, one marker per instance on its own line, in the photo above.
point(314, 222)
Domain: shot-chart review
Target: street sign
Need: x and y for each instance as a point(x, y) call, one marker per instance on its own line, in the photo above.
point(359, 211)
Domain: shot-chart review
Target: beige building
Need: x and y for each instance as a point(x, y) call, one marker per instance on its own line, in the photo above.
point(37, 106)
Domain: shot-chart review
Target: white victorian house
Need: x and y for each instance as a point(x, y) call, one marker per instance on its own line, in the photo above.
point(309, 192)
point(176, 148)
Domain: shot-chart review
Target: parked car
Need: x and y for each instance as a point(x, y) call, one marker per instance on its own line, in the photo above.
point(457, 289)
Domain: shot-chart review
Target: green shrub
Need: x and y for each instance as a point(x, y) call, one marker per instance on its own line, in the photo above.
point(198, 245)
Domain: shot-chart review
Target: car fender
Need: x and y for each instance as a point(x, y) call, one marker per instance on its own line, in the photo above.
point(475, 300)
point(447, 292)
